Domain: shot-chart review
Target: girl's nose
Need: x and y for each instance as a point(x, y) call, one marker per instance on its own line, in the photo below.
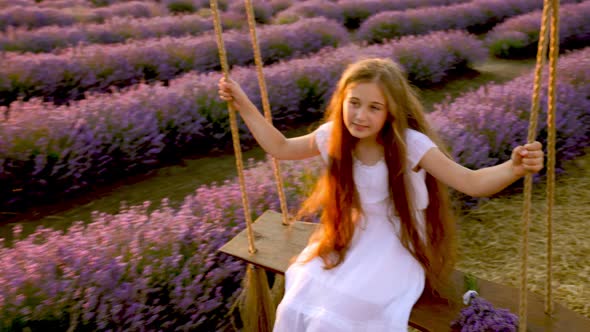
point(360, 113)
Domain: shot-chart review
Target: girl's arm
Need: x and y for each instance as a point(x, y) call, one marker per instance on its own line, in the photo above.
point(269, 138)
point(486, 181)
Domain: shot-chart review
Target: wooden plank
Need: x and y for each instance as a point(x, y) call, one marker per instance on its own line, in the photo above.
point(277, 244)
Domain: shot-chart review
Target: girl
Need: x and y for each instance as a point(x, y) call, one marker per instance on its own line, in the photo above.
point(387, 232)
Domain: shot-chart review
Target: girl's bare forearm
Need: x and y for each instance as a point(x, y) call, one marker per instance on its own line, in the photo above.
point(490, 180)
point(269, 138)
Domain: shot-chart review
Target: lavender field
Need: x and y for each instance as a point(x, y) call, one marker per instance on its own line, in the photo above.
point(94, 92)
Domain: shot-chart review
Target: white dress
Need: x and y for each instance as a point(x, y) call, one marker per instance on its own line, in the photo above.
point(379, 281)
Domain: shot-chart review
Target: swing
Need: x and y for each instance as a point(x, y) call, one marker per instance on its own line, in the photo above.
point(269, 243)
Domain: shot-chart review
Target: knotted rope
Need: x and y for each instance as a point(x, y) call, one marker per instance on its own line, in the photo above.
point(234, 128)
point(265, 104)
point(550, 17)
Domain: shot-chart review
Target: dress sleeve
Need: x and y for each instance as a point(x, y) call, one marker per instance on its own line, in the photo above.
point(321, 139)
point(418, 144)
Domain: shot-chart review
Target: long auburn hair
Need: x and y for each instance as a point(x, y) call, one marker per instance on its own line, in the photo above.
point(335, 194)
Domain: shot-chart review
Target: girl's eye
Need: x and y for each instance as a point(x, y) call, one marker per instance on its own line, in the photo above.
point(354, 103)
point(375, 108)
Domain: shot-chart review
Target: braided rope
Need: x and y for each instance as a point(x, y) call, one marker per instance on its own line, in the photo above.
point(549, 12)
point(266, 105)
point(541, 51)
point(553, 55)
point(234, 128)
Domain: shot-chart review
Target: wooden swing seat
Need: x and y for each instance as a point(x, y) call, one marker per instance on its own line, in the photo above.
point(277, 244)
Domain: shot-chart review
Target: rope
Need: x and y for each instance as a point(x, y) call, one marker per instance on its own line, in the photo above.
point(541, 51)
point(550, 10)
point(266, 105)
point(256, 304)
point(234, 128)
point(553, 54)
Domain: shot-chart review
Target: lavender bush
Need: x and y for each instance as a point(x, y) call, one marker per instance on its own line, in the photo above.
point(115, 30)
point(519, 35)
point(62, 3)
point(101, 3)
point(138, 270)
point(356, 13)
point(482, 127)
point(481, 316)
point(18, 16)
point(232, 20)
point(65, 76)
point(280, 5)
point(35, 17)
point(311, 8)
point(263, 11)
point(573, 68)
point(127, 9)
point(64, 149)
point(351, 12)
point(475, 16)
point(13, 3)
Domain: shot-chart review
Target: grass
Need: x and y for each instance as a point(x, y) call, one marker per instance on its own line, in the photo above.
point(490, 239)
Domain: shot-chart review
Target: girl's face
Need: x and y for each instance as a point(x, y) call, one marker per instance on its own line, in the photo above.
point(365, 110)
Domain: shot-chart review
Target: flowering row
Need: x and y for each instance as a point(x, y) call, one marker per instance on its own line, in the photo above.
point(138, 270)
point(484, 126)
point(519, 36)
point(161, 270)
point(49, 149)
point(57, 4)
point(351, 13)
point(263, 10)
point(65, 76)
point(115, 30)
point(34, 17)
point(476, 16)
point(118, 29)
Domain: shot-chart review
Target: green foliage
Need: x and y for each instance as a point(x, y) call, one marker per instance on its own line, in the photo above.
point(287, 19)
point(99, 3)
point(260, 16)
point(181, 7)
point(223, 4)
point(29, 143)
point(505, 48)
point(279, 50)
point(353, 19)
point(204, 12)
point(470, 282)
point(384, 31)
point(330, 40)
point(216, 114)
point(232, 23)
point(311, 95)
